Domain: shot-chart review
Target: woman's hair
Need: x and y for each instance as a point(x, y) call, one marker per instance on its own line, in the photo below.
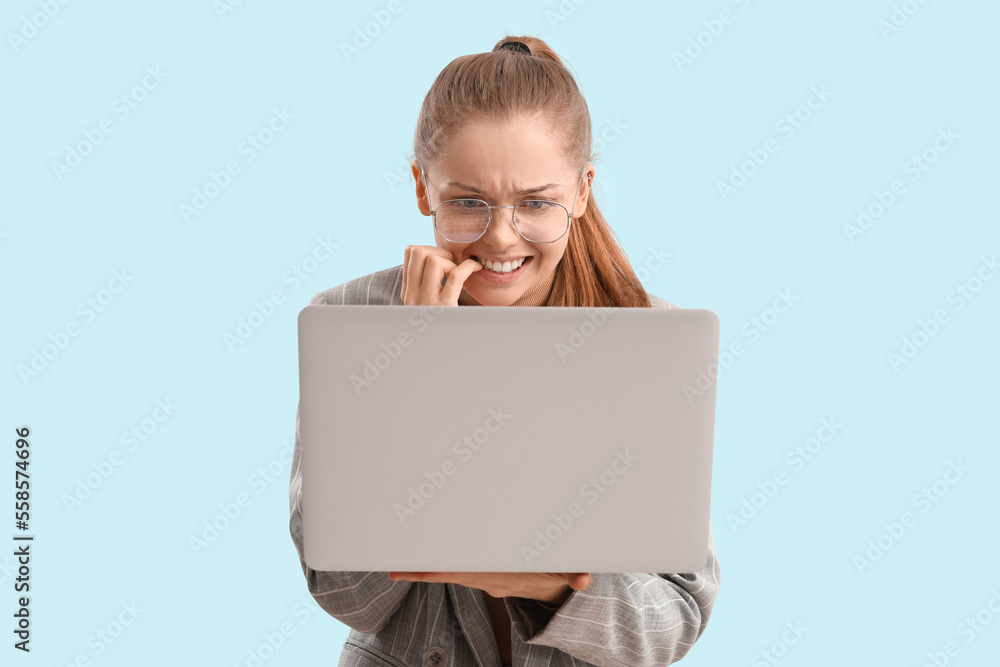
point(505, 85)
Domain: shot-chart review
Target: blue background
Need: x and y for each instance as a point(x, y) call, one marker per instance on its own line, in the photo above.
point(333, 172)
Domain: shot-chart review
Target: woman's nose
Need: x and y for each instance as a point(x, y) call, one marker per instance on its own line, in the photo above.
point(501, 231)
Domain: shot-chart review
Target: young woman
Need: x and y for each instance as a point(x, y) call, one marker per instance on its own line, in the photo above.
point(502, 152)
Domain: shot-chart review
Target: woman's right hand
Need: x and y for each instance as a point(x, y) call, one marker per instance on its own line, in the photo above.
point(424, 267)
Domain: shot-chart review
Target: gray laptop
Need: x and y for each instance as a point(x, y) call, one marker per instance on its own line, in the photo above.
point(517, 439)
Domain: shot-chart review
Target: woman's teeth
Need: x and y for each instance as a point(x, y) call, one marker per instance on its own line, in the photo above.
point(497, 267)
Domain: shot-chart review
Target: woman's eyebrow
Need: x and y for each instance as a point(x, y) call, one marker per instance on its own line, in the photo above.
point(525, 191)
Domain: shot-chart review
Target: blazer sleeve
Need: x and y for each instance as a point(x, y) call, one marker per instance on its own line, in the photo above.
point(365, 601)
point(633, 620)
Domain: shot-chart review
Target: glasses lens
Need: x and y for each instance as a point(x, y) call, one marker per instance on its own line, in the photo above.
point(541, 221)
point(462, 220)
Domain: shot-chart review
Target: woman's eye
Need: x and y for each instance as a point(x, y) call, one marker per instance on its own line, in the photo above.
point(468, 203)
point(535, 204)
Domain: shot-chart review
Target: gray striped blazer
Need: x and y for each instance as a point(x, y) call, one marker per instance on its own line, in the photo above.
point(621, 620)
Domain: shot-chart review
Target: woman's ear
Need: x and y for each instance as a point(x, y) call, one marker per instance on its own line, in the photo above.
point(583, 196)
point(422, 200)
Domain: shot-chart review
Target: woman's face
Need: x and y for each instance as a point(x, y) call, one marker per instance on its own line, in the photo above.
point(504, 166)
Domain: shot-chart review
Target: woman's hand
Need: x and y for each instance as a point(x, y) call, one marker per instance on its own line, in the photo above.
point(549, 587)
point(424, 267)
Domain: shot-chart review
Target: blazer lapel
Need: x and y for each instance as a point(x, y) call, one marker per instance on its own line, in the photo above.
point(470, 610)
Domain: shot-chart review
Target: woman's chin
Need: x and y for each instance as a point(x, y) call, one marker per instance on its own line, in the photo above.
point(497, 296)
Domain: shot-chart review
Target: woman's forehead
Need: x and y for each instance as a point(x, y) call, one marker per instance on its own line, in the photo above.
point(511, 147)
point(491, 176)
point(512, 187)
point(508, 159)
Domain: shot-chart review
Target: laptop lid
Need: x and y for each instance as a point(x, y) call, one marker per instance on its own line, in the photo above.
point(492, 439)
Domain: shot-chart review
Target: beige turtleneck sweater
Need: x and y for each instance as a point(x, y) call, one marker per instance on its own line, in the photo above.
point(538, 295)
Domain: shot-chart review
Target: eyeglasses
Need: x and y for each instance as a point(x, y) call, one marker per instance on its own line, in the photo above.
point(536, 220)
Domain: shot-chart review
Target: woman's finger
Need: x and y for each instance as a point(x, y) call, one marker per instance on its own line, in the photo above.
point(415, 276)
point(424, 264)
point(456, 280)
point(425, 268)
point(406, 266)
point(436, 267)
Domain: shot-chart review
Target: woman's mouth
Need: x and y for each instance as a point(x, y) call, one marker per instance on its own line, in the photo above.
point(500, 267)
point(505, 271)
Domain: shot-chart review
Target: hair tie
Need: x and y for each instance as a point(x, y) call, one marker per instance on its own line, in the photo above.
point(516, 46)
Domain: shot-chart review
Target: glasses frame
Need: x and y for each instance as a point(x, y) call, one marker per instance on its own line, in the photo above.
point(489, 220)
